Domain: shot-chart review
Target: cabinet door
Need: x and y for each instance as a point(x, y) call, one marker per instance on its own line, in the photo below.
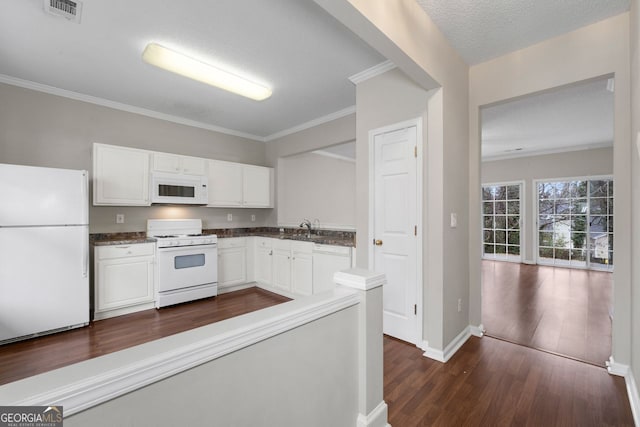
point(165, 162)
point(263, 259)
point(232, 266)
point(225, 183)
point(120, 176)
point(194, 166)
point(124, 282)
point(282, 269)
point(302, 273)
point(256, 186)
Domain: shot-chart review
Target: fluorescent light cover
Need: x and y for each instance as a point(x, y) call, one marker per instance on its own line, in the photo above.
point(178, 63)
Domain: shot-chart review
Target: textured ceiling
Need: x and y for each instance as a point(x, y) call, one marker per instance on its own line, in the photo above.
point(294, 46)
point(575, 117)
point(483, 29)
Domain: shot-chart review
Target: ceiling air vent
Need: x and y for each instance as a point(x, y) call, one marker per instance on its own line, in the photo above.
point(68, 9)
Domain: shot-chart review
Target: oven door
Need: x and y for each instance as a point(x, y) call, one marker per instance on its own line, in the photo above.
point(187, 266)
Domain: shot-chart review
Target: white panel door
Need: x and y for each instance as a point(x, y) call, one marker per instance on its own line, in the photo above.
point(395, 219)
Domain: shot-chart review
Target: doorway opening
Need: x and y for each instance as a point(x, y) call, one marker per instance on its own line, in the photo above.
point(556, 295)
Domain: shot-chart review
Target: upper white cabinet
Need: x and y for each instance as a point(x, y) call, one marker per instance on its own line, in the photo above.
point(174, 163)
point(256, 186)
point(120, 176)
point(239, 185)
point(225, 184)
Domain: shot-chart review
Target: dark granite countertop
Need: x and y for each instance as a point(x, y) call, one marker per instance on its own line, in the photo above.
point(325, 237)
point(125, 238)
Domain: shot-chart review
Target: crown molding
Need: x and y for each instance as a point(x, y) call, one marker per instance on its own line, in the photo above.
point(123, 107)
point(369, 73)
point(312, 123)
point(334, 156)
point(518, 154)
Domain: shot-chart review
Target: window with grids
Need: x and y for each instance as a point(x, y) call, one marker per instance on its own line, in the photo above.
point(501, 221)
point(575, 223)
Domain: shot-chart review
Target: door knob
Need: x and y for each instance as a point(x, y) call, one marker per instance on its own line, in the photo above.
point(377, 242)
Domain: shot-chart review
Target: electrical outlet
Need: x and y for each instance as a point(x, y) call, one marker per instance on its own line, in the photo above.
point(119, 218)
point(459, 305)
point(229, 217)
point(253, 218)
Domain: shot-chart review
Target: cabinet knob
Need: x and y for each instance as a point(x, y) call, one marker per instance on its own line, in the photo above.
point(377, 242)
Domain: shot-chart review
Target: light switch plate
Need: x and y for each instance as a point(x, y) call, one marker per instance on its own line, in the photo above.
point(119, 218)
point(454, 220)
point(229, 217)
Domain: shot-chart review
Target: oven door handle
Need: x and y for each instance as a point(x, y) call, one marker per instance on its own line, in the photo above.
point(194, 248)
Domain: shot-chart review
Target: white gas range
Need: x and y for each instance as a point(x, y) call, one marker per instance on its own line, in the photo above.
point(186, 268)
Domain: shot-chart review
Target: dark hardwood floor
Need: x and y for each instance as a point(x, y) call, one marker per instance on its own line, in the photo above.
point(490, 382)
point(560, 310)
point(26, 358)
point(487, 382)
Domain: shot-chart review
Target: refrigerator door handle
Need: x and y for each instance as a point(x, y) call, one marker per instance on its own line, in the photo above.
point(85, 256)
point(85, 197)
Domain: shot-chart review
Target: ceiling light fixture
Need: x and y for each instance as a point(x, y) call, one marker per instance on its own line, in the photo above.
point(178, 63)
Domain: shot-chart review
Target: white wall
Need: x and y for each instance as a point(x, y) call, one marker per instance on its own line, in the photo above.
point(597, 50)
point(635, 186)
point(402, 32)
point(40, 129)
point(561, 165)
point(324, 135)
point(316, 186)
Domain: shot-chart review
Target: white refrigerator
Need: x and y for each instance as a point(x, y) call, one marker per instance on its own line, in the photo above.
point(44, 251)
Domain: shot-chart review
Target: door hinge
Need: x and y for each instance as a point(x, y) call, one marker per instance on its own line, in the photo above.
point(415, 309)
point(415, 151)
point(415, 230)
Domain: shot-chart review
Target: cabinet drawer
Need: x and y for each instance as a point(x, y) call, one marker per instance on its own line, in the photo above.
point(264, 242)
point(304, 247)
point(232, 242)
point(121, 251)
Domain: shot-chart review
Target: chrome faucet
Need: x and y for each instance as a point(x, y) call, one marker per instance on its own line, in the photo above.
point(306, 223)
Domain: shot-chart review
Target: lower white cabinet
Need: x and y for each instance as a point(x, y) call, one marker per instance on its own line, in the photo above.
point(263, 260)
point(232, 262)
point(292, 265)
point(123, 279)
point(302, 268)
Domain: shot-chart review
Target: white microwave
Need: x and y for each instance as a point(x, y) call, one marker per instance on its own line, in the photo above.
point(173, 188)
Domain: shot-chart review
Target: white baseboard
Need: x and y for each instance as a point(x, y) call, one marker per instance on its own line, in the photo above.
point(477, 331)
point(375, 418)
point(634, 398)
point(618, 369)
point(615, 368)
point(528, 262)
point(232, 288)
point(453, 346)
